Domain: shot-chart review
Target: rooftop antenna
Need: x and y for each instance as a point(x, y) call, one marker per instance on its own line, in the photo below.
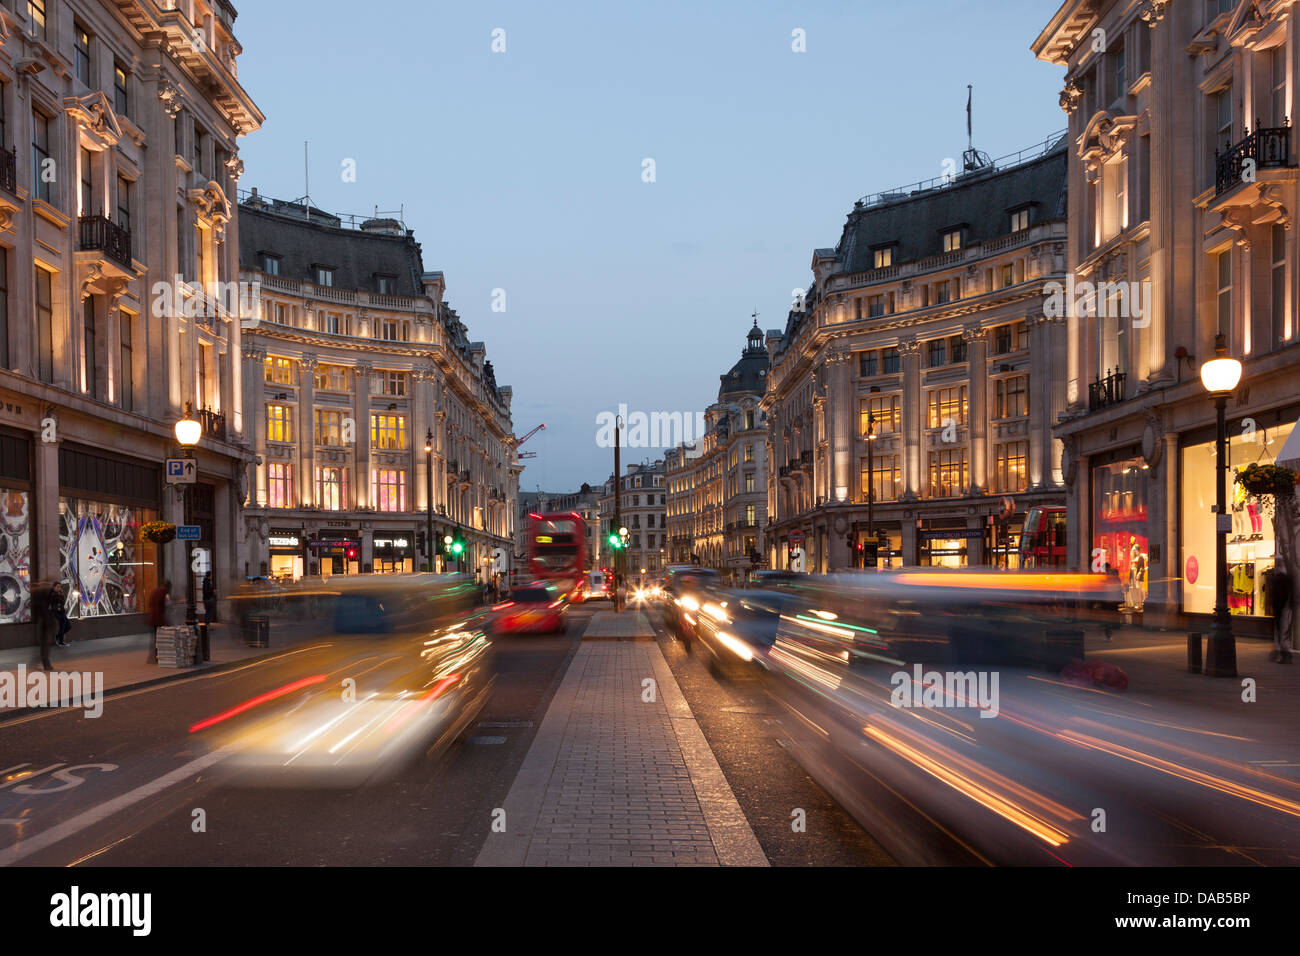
point(972, 159)
point(306, 180)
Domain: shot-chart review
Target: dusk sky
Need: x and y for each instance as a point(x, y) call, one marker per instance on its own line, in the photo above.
point(522, 170)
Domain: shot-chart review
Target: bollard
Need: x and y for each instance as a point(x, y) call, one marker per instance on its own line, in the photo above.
point(1194, 652)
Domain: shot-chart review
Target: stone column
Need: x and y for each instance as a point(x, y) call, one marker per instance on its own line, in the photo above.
point(361, 434)
point(840, 401)
point(978, 419)
point(913, 416)
point(306, 427)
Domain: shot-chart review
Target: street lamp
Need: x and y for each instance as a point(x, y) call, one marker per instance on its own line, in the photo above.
point(1220, 376)
point(188, 432)
point(428, 517)
point(871, 482)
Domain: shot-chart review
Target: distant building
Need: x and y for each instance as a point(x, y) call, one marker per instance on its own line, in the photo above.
point(360, 378)
point(585, 501)
point(925, 328)
point(644, 508)
point(717, 487)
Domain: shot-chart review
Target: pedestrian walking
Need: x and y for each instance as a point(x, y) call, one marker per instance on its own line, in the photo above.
point(158, 599)
point(209, 600)
point(42, 619)
point(59, 613)
point(1278, 590)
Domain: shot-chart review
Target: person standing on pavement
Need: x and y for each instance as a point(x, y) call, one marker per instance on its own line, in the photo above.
point(1278, 590)
point(209, 600)
point(158, 598)
point(59, 613)
point(42, 619)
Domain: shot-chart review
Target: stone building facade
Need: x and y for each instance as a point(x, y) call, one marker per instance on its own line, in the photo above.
point(370, 406)
point(1183, 189)
point(925, 328)
point(118, 167)
point(717, 487)
point(644, 510)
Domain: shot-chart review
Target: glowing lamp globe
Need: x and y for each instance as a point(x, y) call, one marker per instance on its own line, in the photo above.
point(188, 431)
point(1221, 373)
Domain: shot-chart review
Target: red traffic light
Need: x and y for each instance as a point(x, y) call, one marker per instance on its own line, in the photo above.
point(352, 553)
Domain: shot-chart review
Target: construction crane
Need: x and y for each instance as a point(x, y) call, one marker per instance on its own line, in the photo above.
point(527, 454)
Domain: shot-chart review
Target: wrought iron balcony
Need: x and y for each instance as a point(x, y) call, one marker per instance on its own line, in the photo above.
point(214, 423)
point(1106, 391)
point(1268, 148)
point(9, 170)
point(101, 234)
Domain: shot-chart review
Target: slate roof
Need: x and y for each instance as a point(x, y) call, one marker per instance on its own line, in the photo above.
point(749, 375)
point(282, 229)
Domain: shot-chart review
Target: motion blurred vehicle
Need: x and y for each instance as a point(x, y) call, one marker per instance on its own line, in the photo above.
point(599, 586)
point(535, 608)
point(685, 590)
point(739, 627)
point(423, 694)
point(1042, 539)
point(775, 577)
point(556, 546)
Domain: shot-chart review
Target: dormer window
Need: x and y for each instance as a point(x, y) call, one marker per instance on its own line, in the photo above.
point(883, 258)
point(1020, 219)
point(952, 240)
point(270, 264)
point(325, 275)
point(385, 284)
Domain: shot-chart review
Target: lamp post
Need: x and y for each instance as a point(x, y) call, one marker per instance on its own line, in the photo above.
point(428, 516)
point(188, 432)
point(1220, 376)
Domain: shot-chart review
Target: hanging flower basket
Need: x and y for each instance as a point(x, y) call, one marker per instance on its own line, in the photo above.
point(159, 532)
point(1261, 480)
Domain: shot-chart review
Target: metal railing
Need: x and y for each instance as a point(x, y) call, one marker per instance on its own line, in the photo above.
point(101, 234)
point(214, 423)
point(9, 170)
point(1268, 148)
point(1106, 391)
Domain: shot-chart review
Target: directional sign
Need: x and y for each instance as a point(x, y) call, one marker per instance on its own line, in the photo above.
point(181, 471)
point(187, 532)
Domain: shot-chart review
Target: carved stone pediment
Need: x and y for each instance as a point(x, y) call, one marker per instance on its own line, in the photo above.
point(96, 117)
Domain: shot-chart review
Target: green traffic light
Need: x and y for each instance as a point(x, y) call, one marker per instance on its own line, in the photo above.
point(457, 547)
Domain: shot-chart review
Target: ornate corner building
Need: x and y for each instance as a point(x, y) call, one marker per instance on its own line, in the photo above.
point(920, 369)
point(717, 486)
point(1183, 191)
point(371, 409)
point(118, 162)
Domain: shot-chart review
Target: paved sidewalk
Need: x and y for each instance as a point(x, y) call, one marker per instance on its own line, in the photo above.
point(620, 774)
point(612, 625)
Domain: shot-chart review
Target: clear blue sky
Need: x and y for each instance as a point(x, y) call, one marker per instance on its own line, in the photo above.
point(522, 170)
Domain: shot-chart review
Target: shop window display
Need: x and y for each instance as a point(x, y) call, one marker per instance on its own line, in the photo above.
point(1251, 542)
point(103, 562)
point(15, 557)
point(1120, 543)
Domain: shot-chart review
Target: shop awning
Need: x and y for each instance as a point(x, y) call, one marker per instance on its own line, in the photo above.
point(1289, 456)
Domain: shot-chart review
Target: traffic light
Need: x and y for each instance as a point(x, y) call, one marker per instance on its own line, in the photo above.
point(615, 542)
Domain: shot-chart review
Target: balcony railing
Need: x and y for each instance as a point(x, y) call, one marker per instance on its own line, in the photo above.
point(101, 234)
point(1265, 148)
point(214, 423)
point(1106, 391)
point(9, 170)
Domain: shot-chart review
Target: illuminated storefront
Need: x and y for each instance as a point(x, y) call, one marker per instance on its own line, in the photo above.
point(393, 553)
point(1120, 534)
point(286, 553)
point(15, 530)
point(946, 543)
point(1251, 543)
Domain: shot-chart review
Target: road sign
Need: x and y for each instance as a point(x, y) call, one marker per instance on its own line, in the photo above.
point(499, 561)
point(187, 532)
point(181, 471)
point(796, 536)
point(797, 560)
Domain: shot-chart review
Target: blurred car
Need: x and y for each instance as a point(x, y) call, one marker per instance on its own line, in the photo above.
point(739, 627)
point(685, 592)
point(535, 608)
point(775, 577)
point(423, 695)
point(597, 586)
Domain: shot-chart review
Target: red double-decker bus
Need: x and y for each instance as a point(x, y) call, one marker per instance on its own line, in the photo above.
point(556, 546)
point(1042, 540)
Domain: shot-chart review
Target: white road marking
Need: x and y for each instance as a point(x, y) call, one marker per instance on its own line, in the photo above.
point(95, 815)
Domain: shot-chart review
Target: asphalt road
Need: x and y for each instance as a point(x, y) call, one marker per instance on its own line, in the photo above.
point(136, 788)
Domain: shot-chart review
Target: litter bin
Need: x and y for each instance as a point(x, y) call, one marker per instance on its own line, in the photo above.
point(257, 630)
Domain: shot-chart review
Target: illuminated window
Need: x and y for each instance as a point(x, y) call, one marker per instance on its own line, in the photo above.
point(329, 427)
point(1009, 466)
point(388, 432)
point(947, 403)
point(885, 474)
point(1011, 397)
point(884, 409)
point(948, 472)
point(279, 371)
point(1020, 220)
point(279, 423)
point(952, 240)
point(331, 488)
point(884, 258)
point(279, 485)
point(388, 489)
point(333, 378)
